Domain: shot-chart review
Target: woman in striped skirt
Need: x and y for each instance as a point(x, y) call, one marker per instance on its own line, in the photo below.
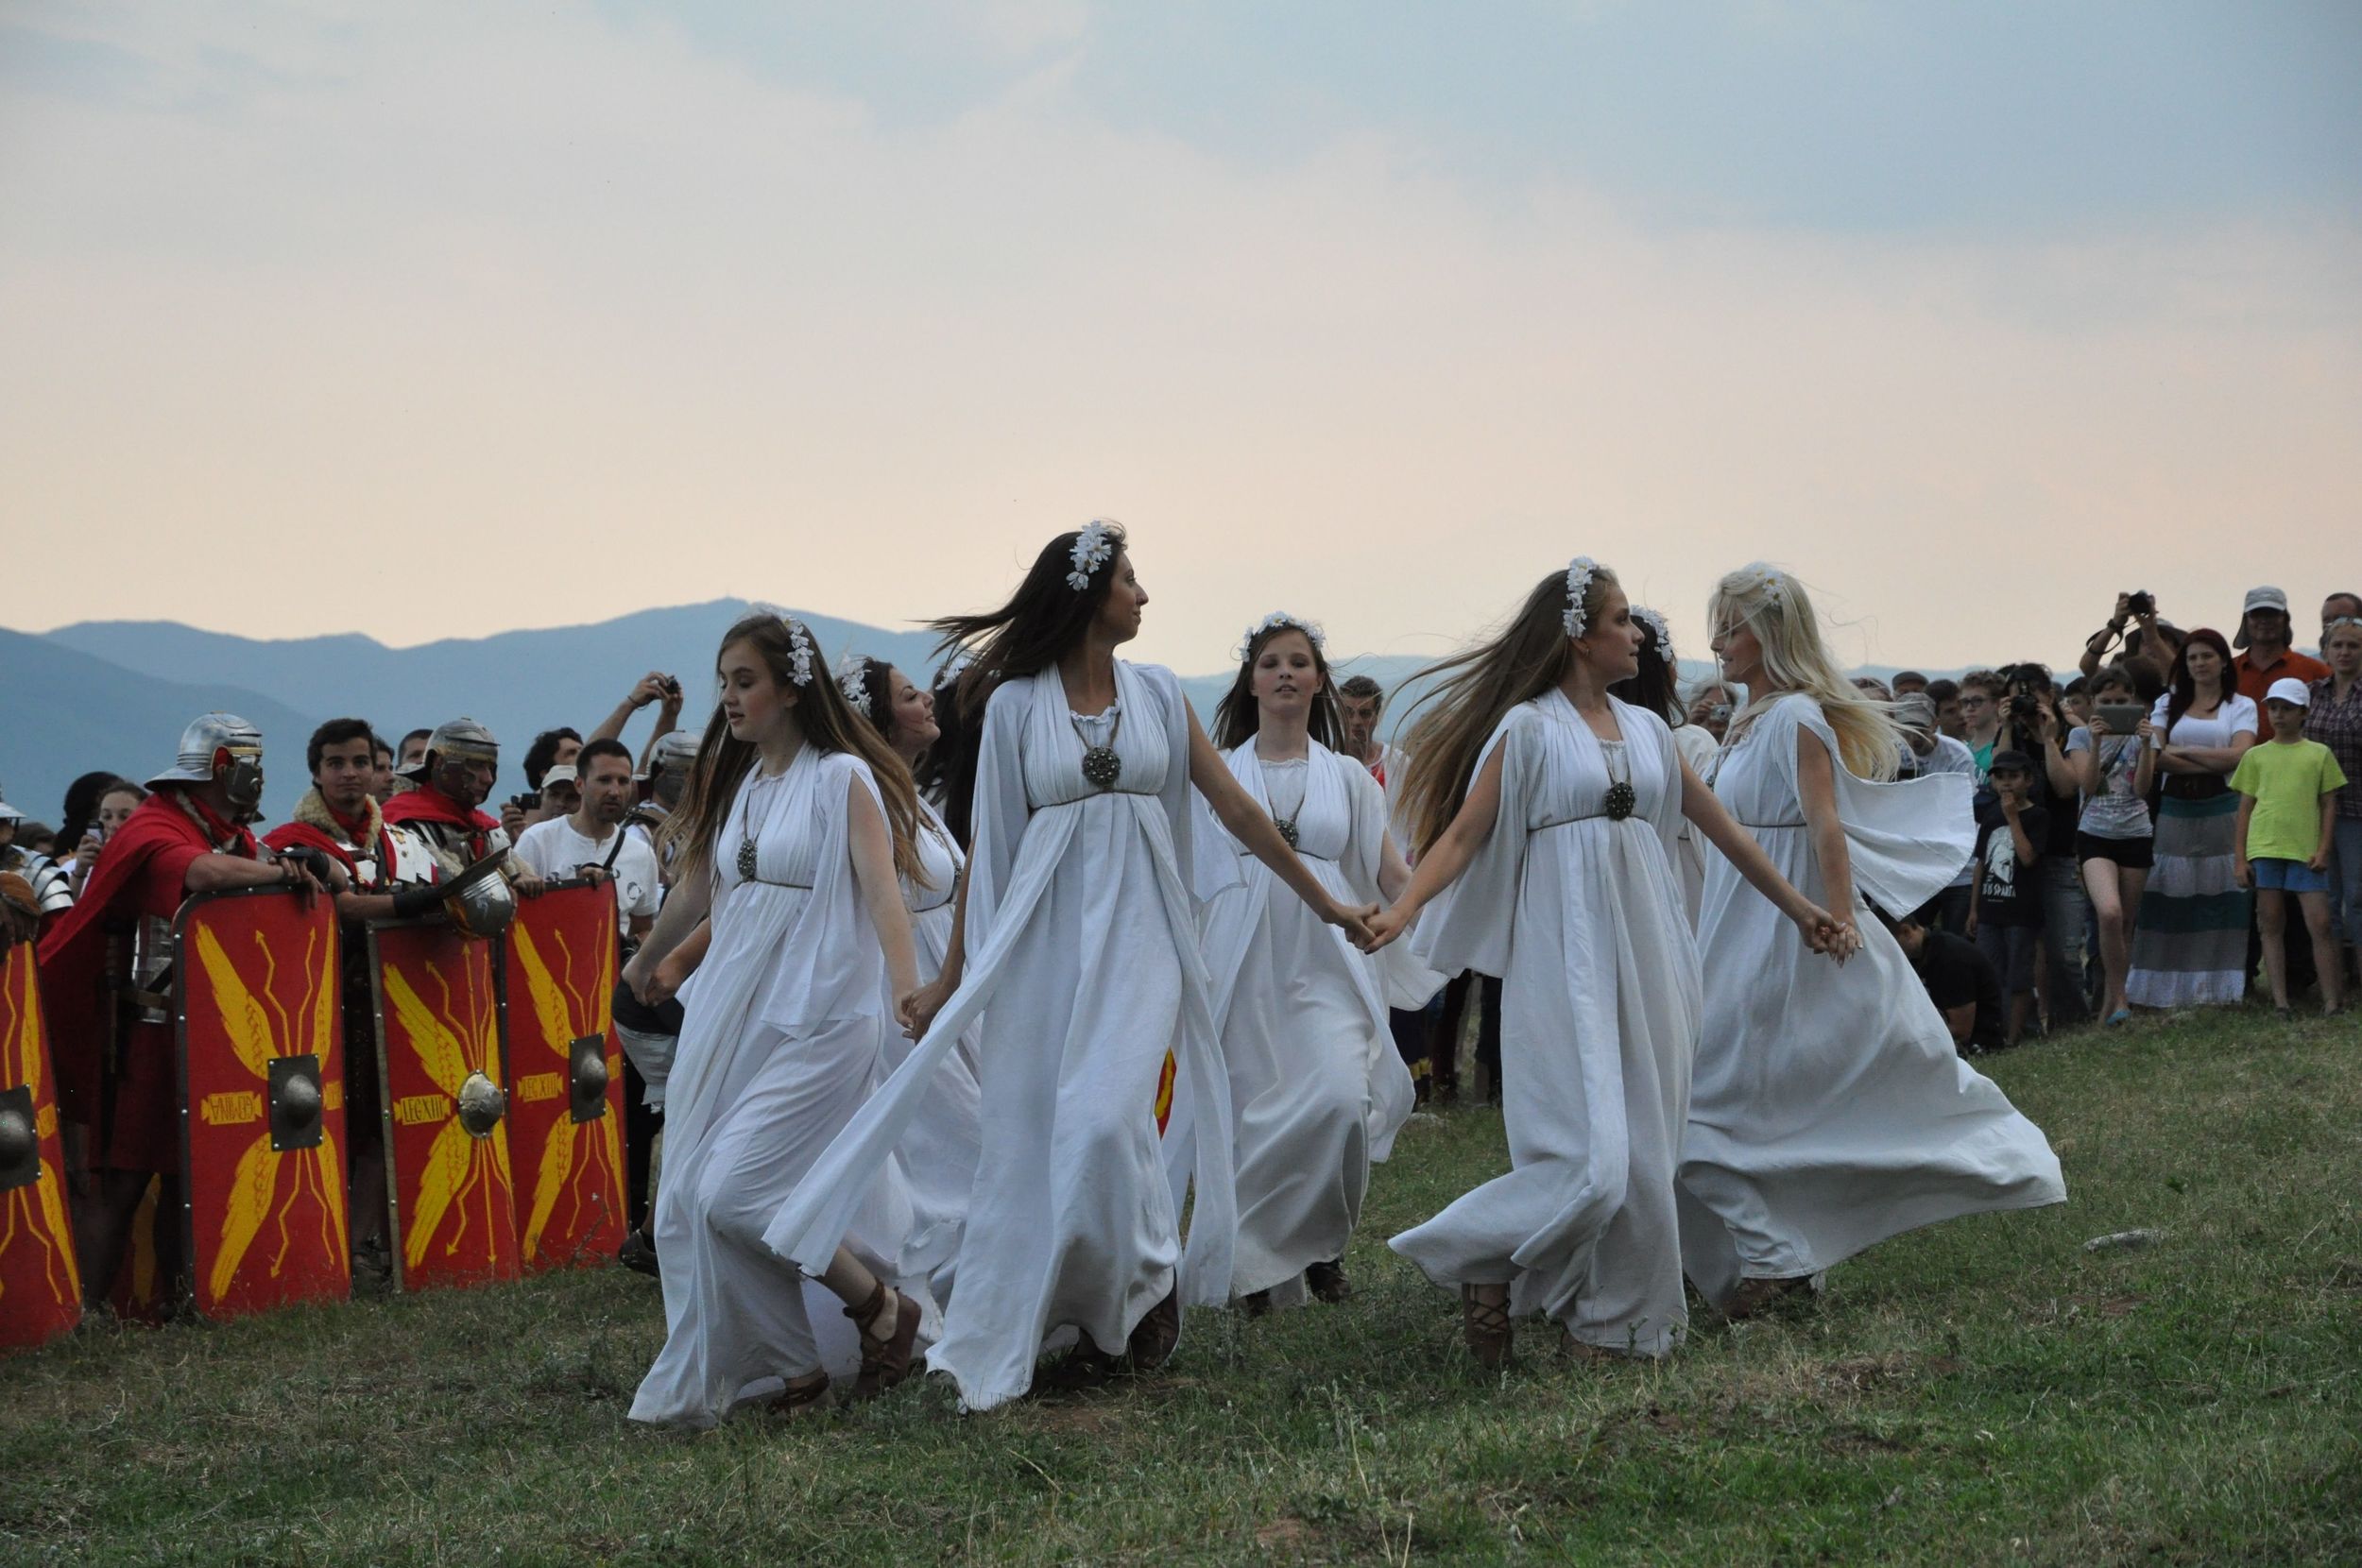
point(2189, 946)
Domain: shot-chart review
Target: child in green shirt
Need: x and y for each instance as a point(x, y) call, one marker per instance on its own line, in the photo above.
point(2290, 798)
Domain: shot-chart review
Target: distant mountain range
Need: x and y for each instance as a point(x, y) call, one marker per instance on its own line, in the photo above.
point(116, 694)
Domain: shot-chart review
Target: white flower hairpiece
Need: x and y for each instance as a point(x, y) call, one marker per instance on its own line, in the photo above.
point(798, 641)
point(953, 668)
point(852, 678)
point(1656, 622)
point(1579, 574)
point(1757, 577)
point(1281, 617)
point(1091, 549)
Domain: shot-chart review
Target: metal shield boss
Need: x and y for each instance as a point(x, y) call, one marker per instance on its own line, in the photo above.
point(447, 1106)
point(41, 1288)
point(566, 1123)
point(255, 995)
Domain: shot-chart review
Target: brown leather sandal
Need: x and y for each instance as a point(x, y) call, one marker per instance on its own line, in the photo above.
point(1154, 1337)
point(1756, 1297)
point(1084, 1367)
point(1257, 1304)
point(800, 1394)
point(1485, 1324)
point(1583, 1350)
point(883, 1362)
point(1327, 1283)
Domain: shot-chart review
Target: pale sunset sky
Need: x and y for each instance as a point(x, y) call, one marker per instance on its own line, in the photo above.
point(437, 319)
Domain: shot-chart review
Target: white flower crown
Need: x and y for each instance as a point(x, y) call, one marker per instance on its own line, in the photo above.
point(1761, 577)
point(1092, 546)
point(953, 668)
point(798, 641)
point(1281, 617)
point(1579, 574)
point(852, 678)
point(1656, 622)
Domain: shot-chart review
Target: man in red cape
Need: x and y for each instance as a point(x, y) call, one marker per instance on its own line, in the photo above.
point(453, 779)
point(105, 970)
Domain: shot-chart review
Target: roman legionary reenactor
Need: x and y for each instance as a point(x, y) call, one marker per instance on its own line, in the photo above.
point(451, 781)
point(392, 876)
point(105, 968)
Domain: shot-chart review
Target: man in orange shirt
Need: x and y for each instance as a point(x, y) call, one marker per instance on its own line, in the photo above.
point(2263, 633)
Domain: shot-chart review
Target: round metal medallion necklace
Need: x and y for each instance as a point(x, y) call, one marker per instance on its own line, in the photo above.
point(746, 862)
point(1287, 824)
point(1102, 767)
point(1620, 797)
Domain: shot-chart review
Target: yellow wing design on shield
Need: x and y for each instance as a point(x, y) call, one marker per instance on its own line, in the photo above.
point(242, 1217)
point(242, 1016)
point(429, 1036)
point(446, 1168)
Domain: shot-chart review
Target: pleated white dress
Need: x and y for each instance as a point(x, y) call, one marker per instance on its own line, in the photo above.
point(1083, 961)
point(782, 1029)
point(1697, 747)
point(1582, 917)
point(1830, 1109)
point(940, 1147)
point(1317, 1089)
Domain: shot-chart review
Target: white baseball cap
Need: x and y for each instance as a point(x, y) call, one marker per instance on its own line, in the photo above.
point(2289, 689)
point(562, 774)
point(2258, 599)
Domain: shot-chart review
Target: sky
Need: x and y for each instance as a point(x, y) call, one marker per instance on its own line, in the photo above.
point(440, 319)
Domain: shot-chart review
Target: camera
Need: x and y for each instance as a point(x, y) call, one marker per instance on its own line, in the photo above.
point(529, 801)
point(2141, 602)
point(672, 684)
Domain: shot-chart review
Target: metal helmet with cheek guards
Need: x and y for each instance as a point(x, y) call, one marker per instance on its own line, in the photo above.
point(668, 765)
point(223, 746)
point(457, 741)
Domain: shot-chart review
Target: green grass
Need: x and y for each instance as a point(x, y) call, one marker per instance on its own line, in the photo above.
point(1984, 1391)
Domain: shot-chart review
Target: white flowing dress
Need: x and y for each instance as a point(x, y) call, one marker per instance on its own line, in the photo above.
point(1582, 917)
point(1830, 1110)
point(782, 1027)
point(1697, 747)
point(940, 1146)
point(1083, 960)
point(1317, 1089)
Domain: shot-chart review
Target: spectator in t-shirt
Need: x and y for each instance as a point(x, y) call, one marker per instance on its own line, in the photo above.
point(591, 843)
point(1924, 751)
point(2031, 723)
point(1945, 694)
point(2265, 633)
point(2336, 608)
point(1981, 717)
point(2114, 839)
point(116, 803)
point(1906, 682)
point(2288, 804)
point(1959, 980)
point(2007, 913)
point(2335, 719)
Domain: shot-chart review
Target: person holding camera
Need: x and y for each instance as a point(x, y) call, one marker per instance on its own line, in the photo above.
point(2148, 650)
point(2115, 757)
point(2031, 723)
point(2005, 918)
point(2189, 942)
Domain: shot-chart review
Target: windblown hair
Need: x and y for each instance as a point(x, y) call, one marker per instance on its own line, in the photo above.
point(828, 723)
point(1474, 689)
point(1774, 605)
point(1655, 687)
point(2183, 686)
point(1238, 716)
point(1042, 620)
point(933, 771)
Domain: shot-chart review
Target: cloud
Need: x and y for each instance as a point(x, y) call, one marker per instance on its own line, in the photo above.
point(517, 318)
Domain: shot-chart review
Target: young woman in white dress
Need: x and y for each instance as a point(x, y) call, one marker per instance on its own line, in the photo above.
point(1076, 939)
point(1656, 687)
point(1317, 1089)
point(939, 1149)
point(1830, 1109)
point(1549, 809)
point(791, 841)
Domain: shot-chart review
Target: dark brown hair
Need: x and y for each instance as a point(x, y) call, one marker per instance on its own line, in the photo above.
point(1238, 716)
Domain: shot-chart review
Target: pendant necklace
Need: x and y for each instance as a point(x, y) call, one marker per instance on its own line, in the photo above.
point(746, 862)
point(1287, 824)
point(1621, 798)
point(1102, 767)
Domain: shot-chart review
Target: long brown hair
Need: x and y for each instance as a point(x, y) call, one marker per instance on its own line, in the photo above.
point(829, 724)
point(1045, 618)
point(1475, 692)
point(1238, 716)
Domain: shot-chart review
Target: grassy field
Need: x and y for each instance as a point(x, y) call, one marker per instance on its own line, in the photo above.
point(1986, 1392)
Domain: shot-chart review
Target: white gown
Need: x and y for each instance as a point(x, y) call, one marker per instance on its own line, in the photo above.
point(1689, 853)
point(782, 1027)
point(1317, 1089)
point(939, 1149)
point(1083, 959)
point(1830, 1110)
point(1582, 917)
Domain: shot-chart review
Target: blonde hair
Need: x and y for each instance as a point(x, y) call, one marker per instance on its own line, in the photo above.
point(1775, 607)
point(1476, 691)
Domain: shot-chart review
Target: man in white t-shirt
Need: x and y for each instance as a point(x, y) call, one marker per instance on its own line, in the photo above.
point(593, 843)
point(1927, 750)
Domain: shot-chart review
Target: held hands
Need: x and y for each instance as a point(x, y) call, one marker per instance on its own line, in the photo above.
point(1385, 926)
point(917, 1011)
point(1354, 921)
point(1825, 934)
point(654, 983)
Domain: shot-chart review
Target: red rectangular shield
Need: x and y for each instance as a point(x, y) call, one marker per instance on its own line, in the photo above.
point(566, 1065)
point(262, 1100)
point(440, 1056)
point(41, 1287)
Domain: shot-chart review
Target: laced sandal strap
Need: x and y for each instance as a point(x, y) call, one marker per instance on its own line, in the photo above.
point(1484, 1316)
point(866, 1313)
point(801, 1392)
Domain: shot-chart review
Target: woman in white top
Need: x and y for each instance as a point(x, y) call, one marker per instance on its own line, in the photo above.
point(1655, 688)
point(1317, 1089)
point(1550, 811)
point(1076, 938)
point(2189, 939)
point(1830, 1109)
point(796, 828)
point(939, 1149)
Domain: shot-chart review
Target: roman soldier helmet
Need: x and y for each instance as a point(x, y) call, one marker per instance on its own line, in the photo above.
point(461, 740)
point(220, 745)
